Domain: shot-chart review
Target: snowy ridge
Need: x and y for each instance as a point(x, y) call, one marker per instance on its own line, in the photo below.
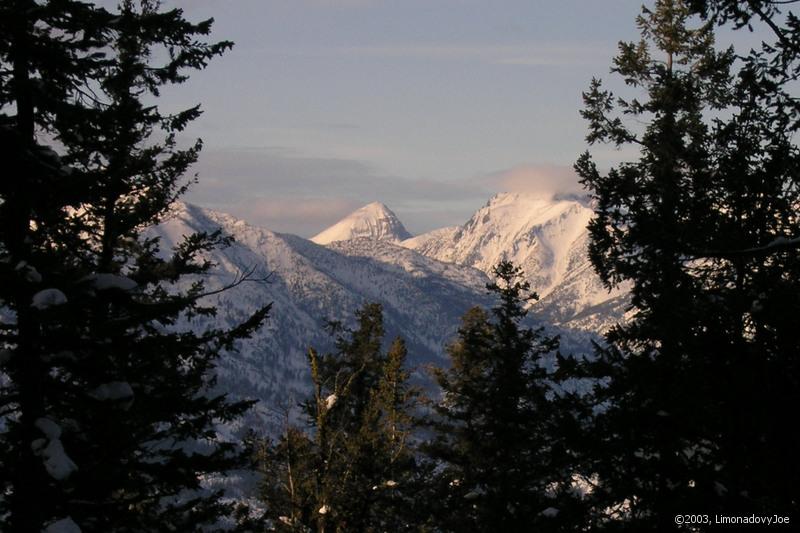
point(373, 221)
point(309, 285)
point(547, 237)
point(423, 242)
point(425, 284)
point(534, 232)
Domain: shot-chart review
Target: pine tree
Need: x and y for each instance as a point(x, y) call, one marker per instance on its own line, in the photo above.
point(355, 469)
point(47, 53)
point(759, 246)
point(111, 419)
point(287, 466)
point(501, 441)
point(684, 429)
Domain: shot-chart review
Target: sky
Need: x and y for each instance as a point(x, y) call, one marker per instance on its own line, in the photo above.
point(429, 106)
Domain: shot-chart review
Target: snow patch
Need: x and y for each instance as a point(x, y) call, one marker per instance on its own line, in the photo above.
point(106, 281)
point(65, 525)
point(115, 390)
point(330, 401)
point(50, 429)
point(28, 272)
point(55, 459)
point(48, 298)
point(475, 493)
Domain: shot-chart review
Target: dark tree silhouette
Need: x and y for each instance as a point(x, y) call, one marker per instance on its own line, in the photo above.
point(355, 470)
point(501, 446)
point(108, 412)
point(701, 225)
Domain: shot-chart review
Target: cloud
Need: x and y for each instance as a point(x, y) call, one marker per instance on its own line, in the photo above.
point(287, 191)
point(548, 180)
point(304, 215)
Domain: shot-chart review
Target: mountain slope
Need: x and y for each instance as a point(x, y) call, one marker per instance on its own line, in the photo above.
point(373, 221)
point(309, 285)
point(423, 297)
point(547, 238)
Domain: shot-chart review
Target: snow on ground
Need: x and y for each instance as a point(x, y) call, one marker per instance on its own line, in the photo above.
point(113, 391)
point(65, 525)
point(106, 281)
point(48, 298)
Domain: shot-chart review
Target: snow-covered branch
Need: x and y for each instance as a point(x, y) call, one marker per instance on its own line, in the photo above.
point(778, 244)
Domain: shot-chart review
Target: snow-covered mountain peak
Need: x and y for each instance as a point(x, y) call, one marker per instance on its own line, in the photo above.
point(546, 236)
point(515, 226)
point(373, 221)
point(308, 286)
point(526, 208)
point(424, 285)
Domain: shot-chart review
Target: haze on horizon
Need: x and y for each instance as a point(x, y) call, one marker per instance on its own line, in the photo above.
point(429, 107)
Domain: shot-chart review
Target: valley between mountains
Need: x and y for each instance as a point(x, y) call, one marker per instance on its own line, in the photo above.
point(425, 283)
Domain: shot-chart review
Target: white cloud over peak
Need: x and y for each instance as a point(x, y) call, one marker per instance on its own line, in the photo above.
point(537, 178)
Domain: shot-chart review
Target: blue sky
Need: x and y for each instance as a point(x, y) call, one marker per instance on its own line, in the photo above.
point(426, 105)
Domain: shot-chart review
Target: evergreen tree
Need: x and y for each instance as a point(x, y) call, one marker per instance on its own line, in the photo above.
point(502, 440)
point(699, 374)
point(776, 62)
point(760, 248)
point(355, 469)
point(287, 466)
point(109, 411)
point(46, 60)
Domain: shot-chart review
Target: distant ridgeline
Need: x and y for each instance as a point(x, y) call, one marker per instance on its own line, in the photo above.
point(424, 283)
